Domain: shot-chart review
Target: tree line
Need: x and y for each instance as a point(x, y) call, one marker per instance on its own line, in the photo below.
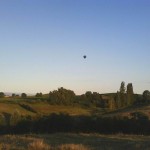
point(124, 97)
point(137, 124)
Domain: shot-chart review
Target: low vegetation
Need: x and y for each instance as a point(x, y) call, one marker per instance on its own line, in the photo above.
point(63, 141)
point(62, 111)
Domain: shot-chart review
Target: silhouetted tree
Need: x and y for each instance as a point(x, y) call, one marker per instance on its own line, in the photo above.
point(146, 96)
point(96, 99)
point(2, 95)
point(23, 95)
point(123, 95)
point(13, 95)
point(89, 96)
point(39, 95)
point(122, 87)
point(130, 94)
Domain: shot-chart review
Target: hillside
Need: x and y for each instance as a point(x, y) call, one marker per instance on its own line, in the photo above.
point(88, 104)
point(21, 116)
point(126, 112)
point(36, 107)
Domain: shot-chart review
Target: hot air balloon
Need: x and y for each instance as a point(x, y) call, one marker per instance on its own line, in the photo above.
point(84, 56)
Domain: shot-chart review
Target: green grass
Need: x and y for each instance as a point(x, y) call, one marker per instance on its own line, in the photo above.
point(92, 141)
point(10, 105)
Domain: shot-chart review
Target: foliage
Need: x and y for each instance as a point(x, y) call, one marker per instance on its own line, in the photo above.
point(122, 87)
point(27, 107)
point(130, 95)
point(13, 95)
point(61, 96)
point(15, 118)
point(90, 99)
point(146, 96)
point(138, 123)
point(39, 94)
point(2, 94)
point(23, 95)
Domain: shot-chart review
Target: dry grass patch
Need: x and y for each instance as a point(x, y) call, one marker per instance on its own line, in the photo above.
point(38, 145)
point(72, 147)
point(64, 141)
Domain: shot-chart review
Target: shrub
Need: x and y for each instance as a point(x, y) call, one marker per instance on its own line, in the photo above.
point(27, 107)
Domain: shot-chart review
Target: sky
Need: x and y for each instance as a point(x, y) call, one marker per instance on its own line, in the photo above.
point(42, 43)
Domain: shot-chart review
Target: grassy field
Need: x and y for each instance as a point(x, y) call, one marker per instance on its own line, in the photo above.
point(43, 108)
point(11, 105)
point(87, 141)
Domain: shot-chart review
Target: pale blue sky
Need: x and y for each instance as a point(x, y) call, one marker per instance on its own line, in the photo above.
point(42, 43)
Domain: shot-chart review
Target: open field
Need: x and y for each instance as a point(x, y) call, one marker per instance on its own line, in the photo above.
point(42, 108)
point(90, 141)
point(11, 105)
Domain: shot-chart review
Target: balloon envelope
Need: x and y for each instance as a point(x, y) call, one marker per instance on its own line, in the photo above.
point(84, 56)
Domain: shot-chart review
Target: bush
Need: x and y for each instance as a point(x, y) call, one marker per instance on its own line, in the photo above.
point(27, 107)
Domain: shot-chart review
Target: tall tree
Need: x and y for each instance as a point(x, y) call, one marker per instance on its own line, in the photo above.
point(122, 87)
point(123, 94)
point(130, 94)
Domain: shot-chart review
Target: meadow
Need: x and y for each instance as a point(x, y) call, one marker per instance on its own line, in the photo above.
point(11, 105)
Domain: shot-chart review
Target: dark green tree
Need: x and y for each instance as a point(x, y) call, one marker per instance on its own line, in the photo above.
point(62, 96)
point(2, 95)
point(96, 99)
point(123, 94)
point(130, 94)
point(23, 95)
point(146, 96)
point(13, 95)
point(122, 87)
point(39, 94)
